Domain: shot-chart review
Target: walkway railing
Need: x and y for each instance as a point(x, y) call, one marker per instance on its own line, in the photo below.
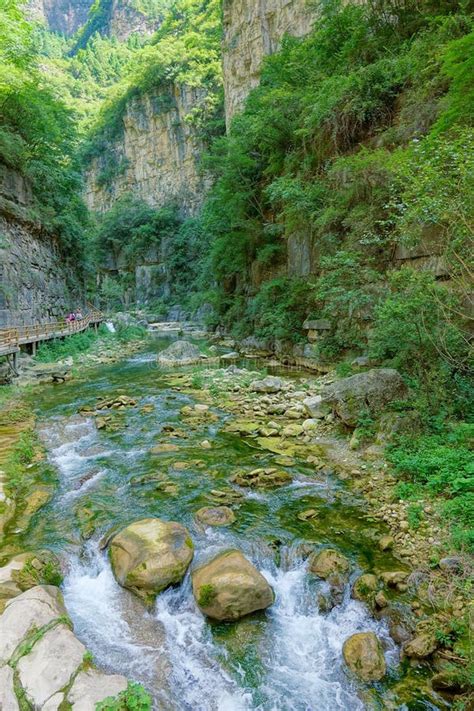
point(12, 338)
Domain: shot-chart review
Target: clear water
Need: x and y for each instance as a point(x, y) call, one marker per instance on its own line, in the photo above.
point(285, 659)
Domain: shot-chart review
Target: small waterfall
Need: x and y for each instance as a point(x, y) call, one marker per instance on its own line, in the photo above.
point(300, 651)
point(197, 678)
point(123, 637)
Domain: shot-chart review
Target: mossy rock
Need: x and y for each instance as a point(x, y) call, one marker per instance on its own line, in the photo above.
point(263, 478)
point(329, 562)
point(150, 555)
point(215, 516)
point(365, 587)
point(364, 656)
point(229, 587)
point(225, 496)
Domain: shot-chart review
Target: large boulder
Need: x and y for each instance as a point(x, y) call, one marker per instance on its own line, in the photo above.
point(229, 587)
point(270, 384)
point(26, 570)
point(180, 353)
point(150, 555)
point(92, 686)
point(51, 664)
point(31, 610)
point(328, 563)
point(363, 655)
point(365, 392)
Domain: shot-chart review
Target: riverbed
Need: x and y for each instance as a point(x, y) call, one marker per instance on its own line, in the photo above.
point(287, 658)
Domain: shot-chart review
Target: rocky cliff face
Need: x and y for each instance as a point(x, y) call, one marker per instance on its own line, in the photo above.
point(126, 20)
point(252, 30)
point(35, 285)
point(65, 16)
point(155, 157)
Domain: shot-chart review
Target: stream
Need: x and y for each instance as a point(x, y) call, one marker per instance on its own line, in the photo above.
point(287, 658)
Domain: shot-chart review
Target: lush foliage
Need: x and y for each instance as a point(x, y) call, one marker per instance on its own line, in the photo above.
point(51, 351)
point(185, 50)
point(37, 133)
point(443, 464)
point(355, 149)
point(132, 233)
point(134, 698)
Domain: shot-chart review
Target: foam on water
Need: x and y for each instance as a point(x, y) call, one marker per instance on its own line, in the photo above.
point(304, 656)
point(99, 609)
point(173, 650)
point(300, 652)
point(197, 678)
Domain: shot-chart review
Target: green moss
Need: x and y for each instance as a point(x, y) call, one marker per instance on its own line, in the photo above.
point(47, 572)
point(207, 594)
point(33, 636)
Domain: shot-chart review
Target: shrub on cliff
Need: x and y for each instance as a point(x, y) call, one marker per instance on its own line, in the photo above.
point(359, 141)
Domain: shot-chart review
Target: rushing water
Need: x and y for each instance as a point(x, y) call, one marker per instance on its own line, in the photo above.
point(285, 659)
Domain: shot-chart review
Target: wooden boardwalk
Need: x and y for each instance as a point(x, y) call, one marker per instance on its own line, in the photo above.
point(13, 337)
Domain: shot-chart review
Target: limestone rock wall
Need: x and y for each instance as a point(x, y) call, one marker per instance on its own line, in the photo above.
point(252, 30)
point(157, 155)
point(35, 284)
point(65, 16)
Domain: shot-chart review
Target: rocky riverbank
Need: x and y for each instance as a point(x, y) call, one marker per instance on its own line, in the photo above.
point(422, 589)
point(427, 601)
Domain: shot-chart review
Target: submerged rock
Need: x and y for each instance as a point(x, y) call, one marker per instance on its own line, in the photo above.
point(370, 391)
point(229, 587)
point(363, 655)
point(307, 515)
point(225, 496)
point(180, 353)
point(264, 478)
point(150, 555)
point(215, 516)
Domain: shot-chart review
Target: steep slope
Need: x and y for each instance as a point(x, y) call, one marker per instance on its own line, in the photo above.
point(36, 284)
point(121, 19)
point(43, 219)
point(156, 155)
point(148, 142)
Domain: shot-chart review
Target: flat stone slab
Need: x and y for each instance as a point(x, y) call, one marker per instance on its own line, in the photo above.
point(50, 664)
point(33, 609)
point(92, 686)
point(8, 700)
